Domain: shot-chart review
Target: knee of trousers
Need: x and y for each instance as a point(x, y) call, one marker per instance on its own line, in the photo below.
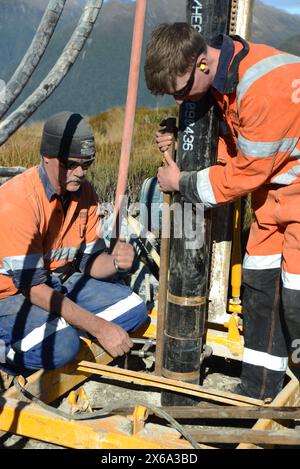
point(67, 346)
point(260, 383)
point(259, 292)
point(133, 318)
point(140, 314)
point(290, 303)
point(55, 351)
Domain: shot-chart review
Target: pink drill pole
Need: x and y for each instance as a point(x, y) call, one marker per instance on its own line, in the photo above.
point(133, 81)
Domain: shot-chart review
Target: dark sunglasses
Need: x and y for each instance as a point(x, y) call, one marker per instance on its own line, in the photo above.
point(71, 164)
point(185, 91)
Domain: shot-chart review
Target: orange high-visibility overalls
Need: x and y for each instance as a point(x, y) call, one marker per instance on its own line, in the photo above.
point(260, 104)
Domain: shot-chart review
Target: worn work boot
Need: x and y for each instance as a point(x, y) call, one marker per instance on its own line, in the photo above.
point(239, 389)
point(5, 380)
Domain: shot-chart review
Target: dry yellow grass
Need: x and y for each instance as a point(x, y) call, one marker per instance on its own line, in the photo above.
point(22, 149)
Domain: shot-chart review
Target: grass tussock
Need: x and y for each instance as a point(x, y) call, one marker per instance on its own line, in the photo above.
point(22, 149)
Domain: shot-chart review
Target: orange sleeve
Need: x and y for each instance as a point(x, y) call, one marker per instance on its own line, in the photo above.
point(267, 137)
point(93, 244)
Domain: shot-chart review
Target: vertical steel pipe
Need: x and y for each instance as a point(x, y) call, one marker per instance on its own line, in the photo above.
point(189, 268)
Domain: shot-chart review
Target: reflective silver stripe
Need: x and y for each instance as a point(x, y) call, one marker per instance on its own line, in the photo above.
point(265, 149)
point(272, 261)
point(115, 310)
point(61, 254)
point(2, 351)
point(290, 281)
point(11, 354)
point(30, 261)
point(91, 248)
point(271, 362)
point(289, 177)
point(39, 334)
point(205, 189)
point(260, 69)
point(296, 153)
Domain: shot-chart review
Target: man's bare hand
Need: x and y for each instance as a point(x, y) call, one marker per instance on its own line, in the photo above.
point(112, 338)
point(164, 140)
point(123, 253)
point(168, 176)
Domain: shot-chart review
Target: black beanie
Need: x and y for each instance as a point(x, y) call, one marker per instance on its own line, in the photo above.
point(67, 134)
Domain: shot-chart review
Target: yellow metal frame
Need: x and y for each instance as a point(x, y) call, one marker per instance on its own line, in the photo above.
point(115, 431)
point(228, 341)
point(31, 420)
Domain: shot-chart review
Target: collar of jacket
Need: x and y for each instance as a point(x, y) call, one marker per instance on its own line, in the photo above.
point(49, 191)
point(227, 76)
point(226, 46)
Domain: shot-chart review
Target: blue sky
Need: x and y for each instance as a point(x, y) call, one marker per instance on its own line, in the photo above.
point(291, 6)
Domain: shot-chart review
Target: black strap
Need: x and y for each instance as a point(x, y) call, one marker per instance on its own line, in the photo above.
point(233, 73)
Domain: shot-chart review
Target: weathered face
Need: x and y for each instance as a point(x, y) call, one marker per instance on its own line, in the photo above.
point(74, 171)
point(68, 174)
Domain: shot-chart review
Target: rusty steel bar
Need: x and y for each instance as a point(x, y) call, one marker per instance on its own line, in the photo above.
point(164, 264)
point(133, 81)
point(240, 435)
point(165, 383)
point(233, 412)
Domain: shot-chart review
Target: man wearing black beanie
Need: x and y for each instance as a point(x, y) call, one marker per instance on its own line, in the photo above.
point(54, 267)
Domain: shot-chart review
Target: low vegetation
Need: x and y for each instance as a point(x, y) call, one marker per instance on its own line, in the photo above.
point(22, 149)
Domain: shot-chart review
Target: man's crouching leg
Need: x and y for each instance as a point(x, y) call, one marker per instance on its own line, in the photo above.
point(114, 302)
point(57, 350)
point(33, 338)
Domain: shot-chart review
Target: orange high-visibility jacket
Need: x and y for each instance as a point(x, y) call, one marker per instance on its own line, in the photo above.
point(264, 118)
point(36, 237)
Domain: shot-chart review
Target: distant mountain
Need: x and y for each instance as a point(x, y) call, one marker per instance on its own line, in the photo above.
point(273, 26)
point(99, 78)
point(19, 20)
point(291, 45)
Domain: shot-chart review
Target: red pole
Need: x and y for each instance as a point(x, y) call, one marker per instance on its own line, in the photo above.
point(133, 81)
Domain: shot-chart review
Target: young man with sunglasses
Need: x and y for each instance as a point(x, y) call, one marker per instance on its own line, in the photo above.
point(56, 277)
point(259, 151)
